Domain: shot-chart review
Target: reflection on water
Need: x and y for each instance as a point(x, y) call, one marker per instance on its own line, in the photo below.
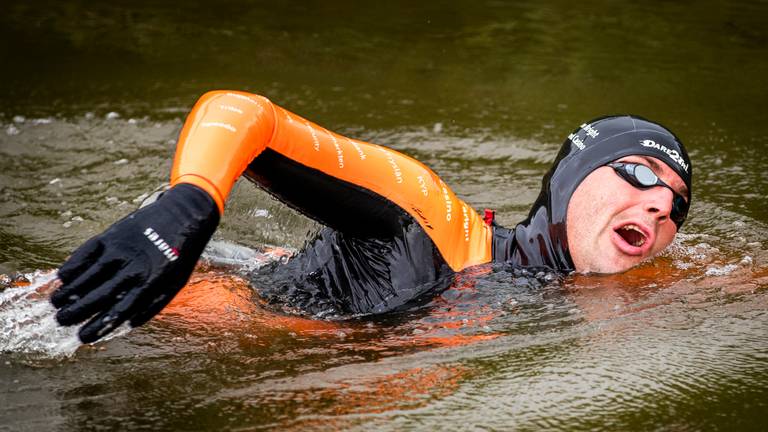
point(93, 101)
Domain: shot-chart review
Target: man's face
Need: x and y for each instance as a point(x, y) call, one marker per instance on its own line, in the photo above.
point(613, 226)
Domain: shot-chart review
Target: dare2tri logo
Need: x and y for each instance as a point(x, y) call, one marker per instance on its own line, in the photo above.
point(673, 154)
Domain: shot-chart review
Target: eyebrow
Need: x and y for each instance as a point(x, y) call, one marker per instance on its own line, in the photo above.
point(657, 168)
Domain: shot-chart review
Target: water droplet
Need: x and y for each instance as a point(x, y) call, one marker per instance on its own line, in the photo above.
point(54, 181)
point(12, 130)
point(140, 198)
point(112, 115)
point(19, 119)
point(261, 213)
point(720, 271)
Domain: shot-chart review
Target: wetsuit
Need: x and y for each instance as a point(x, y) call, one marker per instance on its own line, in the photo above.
point(394, 231)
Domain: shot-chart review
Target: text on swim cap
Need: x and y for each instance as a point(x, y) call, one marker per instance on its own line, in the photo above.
point(592, 132)
point(673, 154)
point(576, 141)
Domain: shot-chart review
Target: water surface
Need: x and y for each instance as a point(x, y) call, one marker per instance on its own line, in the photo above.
point(93, 98)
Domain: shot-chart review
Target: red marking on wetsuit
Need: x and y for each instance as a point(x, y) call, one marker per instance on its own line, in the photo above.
point(489, 216)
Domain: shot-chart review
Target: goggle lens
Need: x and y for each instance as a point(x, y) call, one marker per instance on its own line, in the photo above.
point(642, 177)
point(645, 176)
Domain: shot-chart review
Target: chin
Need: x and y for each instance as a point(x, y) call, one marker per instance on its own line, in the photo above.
point(611, 266)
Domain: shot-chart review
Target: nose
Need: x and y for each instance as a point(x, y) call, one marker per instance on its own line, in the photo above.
point(658, 202)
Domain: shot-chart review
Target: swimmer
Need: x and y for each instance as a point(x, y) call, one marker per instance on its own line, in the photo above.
point(394, 233)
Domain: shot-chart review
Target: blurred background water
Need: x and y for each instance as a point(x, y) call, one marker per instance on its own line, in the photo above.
point(92, 100)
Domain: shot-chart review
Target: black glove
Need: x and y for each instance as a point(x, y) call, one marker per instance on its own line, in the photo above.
point(133, 269)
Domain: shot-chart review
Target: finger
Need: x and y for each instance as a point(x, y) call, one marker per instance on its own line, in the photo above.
point(99, 299)
point(82, 258)
point(99, 326)
point(104, 323)
point(159, 301)
point(93, 277)
point(153, 309)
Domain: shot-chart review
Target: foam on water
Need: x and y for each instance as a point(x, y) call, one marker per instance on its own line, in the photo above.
point(27, 323)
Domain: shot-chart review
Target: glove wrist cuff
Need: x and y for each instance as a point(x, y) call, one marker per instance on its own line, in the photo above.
point(195, 202)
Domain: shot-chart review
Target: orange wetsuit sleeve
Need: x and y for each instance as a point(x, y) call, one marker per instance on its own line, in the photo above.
point(226, 130)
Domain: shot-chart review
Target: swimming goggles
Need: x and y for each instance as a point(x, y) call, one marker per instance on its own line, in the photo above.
point(642, 177)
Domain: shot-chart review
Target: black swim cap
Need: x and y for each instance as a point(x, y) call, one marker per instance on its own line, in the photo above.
point(541, 240)
point(607, 139)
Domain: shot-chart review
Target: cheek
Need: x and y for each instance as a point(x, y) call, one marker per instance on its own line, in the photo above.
point(589, 210)
point(592, 205)
point(665, 236)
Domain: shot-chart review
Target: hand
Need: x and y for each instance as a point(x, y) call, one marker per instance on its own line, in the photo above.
point(133, 269)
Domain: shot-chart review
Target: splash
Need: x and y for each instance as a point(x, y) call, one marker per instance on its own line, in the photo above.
point(241, 259)
point(27, 318)
point(27, 323)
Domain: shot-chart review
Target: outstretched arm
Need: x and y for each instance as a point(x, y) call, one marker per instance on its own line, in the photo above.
point(132, 270)
point(349, 185)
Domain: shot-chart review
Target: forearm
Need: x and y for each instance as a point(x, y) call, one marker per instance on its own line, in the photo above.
point(223, 133)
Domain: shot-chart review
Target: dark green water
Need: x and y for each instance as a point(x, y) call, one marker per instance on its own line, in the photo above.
point(484, 93)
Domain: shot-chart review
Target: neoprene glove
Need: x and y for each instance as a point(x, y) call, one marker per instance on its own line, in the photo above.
point(132, 270)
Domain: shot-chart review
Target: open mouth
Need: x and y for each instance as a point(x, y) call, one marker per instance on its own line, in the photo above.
point(632, 234)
